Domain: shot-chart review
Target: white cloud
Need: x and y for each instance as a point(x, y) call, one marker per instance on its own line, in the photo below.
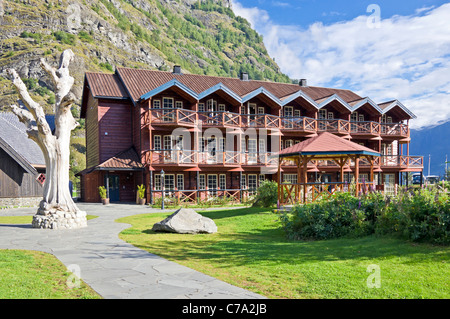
point(406, 58)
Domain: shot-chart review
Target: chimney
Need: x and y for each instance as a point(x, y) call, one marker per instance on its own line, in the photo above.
point(302, 83)
point(244, 76)
point(177, 69)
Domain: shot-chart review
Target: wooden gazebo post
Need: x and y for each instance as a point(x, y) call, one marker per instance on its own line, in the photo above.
point(357, 174)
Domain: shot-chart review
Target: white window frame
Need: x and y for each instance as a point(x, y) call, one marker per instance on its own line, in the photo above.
point(260, 109)
point(290, 178)
point(297, 113)
point(202, 181)
point(361, 117)
point(179, 104)
point(201, 107)
point(330, 115)
point(180, 181)
point(221, 108)
point(157, 142)
point(164, 103)
point(288, 111)
point(156, 104)
point(223, 181)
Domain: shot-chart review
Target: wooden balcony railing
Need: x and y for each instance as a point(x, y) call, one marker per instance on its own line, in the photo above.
point(260, 120)
point(401, 161)
point(305, 124)
point(394, 129)
point(173, 116)
point(217, 119)
point(365, 127)
point(333, 126)
point(158, 157)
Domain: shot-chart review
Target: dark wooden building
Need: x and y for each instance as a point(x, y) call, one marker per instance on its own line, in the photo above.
point(218, 136)
point(22, 164)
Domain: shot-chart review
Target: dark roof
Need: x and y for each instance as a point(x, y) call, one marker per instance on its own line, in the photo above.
point(127, 160)
point(14, 140)
point(107, 85)
point(138, 82)
point(327, 143)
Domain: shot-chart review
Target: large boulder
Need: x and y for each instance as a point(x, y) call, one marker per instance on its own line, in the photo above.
point(186, 221)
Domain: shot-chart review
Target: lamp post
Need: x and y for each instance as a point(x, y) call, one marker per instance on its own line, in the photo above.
point(162, 187)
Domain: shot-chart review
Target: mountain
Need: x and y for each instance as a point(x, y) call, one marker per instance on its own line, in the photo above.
point(434, 141)
point(203, 36)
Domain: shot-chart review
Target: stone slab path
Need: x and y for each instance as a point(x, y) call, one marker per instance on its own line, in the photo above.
point(112, 267)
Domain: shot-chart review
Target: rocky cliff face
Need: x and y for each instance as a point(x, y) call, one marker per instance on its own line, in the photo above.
point(204, 37)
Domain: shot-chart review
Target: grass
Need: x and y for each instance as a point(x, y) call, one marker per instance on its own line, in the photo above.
point(250, 251)
point(37, 275)
point(14, 220)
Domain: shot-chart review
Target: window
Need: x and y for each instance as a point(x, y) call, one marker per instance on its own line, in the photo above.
point(281, 145)
point(156, 142)
point(252, 182)
point(201, 107)
point(167, 102)
point(288, 111)
point(201, 144)
point(262, 177)
point(167, 142)
point(330, 115)
point(157, 182)
point(363, 178)
point(243, 182)
point(222, 181)
point(222, 144)
point(262, 145)
point(288, 143)
point(252, 151)
point(169, 182)
point(322, 114)
point(290, 178)
point(201, 181)
point(211, 105)
point(354, 117)
point(251, 108)
point(156, 104)
point(180, 181)
point(179, 104)
point(221, 108)
point(260, 110)
point(296, 113)
point(389, 119)
point(361, 117)
point(212, 181)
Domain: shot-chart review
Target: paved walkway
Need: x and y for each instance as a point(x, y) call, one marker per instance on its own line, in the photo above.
point(113, 268)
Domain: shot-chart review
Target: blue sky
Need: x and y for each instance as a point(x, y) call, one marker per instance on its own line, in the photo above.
point(393, 50)
point(305, 12)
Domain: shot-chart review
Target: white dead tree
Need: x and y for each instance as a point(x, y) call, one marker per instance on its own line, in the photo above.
point(57, 209)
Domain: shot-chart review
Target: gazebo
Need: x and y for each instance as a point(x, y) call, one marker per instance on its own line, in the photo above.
point(324, 148)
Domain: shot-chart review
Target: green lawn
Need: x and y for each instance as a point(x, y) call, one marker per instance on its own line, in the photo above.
point(250, 251)
point(37, 275)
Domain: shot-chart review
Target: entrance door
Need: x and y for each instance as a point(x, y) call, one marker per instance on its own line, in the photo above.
point(112, 181)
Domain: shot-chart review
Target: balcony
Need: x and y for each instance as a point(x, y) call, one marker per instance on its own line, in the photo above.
point(336, 126)
point(218, 119)
point(365, 128)
point(394, 130)
point(402, 162)
point(180, 117)
point(260, 121)
point(303, 124)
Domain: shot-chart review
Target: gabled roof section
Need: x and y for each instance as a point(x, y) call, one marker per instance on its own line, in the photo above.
point(168, 85)
point(127, 160)
point(387, 106)
point(263, 91)
point(327, 144)
point(288, 99)
point(220, 87)
point(328, 99)
point(358, 103)
point(15, 142)
point(105, 85)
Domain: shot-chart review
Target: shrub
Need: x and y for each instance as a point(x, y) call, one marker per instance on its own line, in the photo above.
point(102, 192)
point(141, 191)
point(267, 194)
point(417, 215)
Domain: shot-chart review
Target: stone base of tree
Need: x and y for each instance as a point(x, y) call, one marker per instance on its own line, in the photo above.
point(60, 220)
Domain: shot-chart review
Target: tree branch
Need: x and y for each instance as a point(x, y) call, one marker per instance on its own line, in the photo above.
point(34, 108)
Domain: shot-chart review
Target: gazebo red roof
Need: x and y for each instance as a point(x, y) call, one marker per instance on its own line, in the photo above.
point(327, 144)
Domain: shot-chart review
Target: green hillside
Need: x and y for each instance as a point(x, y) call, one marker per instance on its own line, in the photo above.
point(204, 37)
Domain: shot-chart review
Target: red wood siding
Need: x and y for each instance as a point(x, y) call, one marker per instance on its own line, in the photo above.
point(114, 128)
point(92, 147)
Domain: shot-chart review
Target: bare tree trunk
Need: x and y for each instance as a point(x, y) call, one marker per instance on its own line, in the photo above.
point(57, 209)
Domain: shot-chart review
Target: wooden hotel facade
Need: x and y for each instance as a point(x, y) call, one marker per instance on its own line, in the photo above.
point(217, 136)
